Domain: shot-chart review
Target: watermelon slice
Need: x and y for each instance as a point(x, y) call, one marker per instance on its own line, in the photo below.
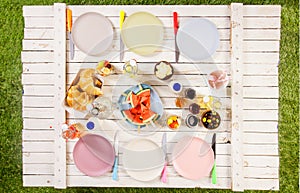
point(148, 116)
point(140, 113)
point(139, 97)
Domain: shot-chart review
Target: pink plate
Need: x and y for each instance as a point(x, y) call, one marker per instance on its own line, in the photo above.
point(93, 155)
point(193, 158)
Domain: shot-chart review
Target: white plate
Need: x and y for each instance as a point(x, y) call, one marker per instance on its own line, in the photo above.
point(197, 39)
point(92, 33)
point(143, 159)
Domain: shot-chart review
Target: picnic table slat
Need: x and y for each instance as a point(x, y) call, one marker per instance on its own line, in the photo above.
point(250, 92)
point(146, 68)
point(249, 103)
point(186, 80)
point(59, 92)
point(250, 46)
point(218, 57)
point(260, 173)
point(237, 59)
point(249, 34)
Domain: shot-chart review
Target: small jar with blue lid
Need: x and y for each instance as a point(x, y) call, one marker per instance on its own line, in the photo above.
point(175, 86)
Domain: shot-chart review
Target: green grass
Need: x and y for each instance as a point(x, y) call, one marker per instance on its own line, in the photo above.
point(11, 35)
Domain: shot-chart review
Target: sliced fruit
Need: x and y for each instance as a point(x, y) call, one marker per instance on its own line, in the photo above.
point(139, 97)
point(150, 115)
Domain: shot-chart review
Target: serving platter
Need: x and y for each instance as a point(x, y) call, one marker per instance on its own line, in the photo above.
point(147, 100)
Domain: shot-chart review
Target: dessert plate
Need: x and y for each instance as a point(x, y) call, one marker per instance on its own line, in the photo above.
point(93, 155)
point(143, 159)
point(92, 33)
point(142, 33)
point(193, 158)
point(198, 39)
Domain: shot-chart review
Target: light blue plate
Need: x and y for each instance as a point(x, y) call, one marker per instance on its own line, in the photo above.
point(155, 103)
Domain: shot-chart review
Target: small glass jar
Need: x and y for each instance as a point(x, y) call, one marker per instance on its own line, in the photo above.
point(194, 108)
point(180, 102)
point(191, 121)
point(93, 123)
point(130, 68)
point(190, 93)
point(173, 122)
point(101, 108)
point(175, 86)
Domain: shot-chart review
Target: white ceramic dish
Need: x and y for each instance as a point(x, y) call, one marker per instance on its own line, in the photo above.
point(143, 159)
point(198, 39)
point(92, 33)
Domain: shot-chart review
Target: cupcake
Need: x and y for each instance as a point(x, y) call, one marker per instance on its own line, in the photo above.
point(163, 70)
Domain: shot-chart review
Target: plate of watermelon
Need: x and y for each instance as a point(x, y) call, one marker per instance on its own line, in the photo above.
point(140, 106)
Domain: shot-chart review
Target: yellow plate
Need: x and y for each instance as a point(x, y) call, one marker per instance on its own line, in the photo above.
point(142, 33)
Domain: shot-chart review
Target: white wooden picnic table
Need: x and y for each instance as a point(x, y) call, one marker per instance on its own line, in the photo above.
point(247, 142)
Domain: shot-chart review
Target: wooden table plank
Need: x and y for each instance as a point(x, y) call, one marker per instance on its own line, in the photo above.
point(59, 113)
point(237, 59)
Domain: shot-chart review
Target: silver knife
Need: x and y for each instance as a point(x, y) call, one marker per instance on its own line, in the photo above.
point(116, 147)
point(164, 148)
point(164, 144)
point(71, 46)
point(69, 30)
point(122, 17)
point(176, 51)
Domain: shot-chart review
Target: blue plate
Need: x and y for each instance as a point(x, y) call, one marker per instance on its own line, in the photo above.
point(155, 104)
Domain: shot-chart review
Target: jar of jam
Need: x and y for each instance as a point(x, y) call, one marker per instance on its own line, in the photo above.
point(210, 119)
point(180, 102)
point(194, 108)
point(190, 93)
point(173, 122)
